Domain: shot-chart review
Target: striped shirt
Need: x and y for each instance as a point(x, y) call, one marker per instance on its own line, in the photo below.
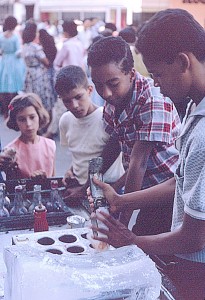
point(147, 117)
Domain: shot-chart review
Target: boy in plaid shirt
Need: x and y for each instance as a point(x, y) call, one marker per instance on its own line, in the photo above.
point(145, 122)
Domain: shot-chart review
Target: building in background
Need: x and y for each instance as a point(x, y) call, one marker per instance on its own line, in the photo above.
point(119, 12)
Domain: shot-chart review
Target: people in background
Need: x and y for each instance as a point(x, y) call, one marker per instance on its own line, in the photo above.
point(129, 35)
point(47, 42)
point(12, 66)
point(72, 51)
point(37, 79)
point(85, 35)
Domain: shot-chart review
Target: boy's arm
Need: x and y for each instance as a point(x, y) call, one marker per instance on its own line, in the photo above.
point(182, 240)
point(110, 153)
point(156, 195)
point(137, 167)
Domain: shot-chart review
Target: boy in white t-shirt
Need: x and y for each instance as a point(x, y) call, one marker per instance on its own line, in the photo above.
point(82, 130)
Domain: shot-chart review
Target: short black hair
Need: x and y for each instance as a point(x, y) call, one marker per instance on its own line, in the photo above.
point(10, 23)
point(111, 50)
point(128, 34)
point(70, 27)
point(170, 32)
point(69, 78)
point(111, 26)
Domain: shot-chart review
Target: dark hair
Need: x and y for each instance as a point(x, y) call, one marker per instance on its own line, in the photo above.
point(19, 102)
point(70, 77)
point(106, 32)
point(29, 32)
point(128, 34)
point(111, 26)
point(10, 23)
point(70, 27)
point(111, 50)
point(48, 44)
point(170, 32)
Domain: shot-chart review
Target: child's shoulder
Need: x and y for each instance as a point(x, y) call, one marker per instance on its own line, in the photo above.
point(47, 141)
point(13, 143)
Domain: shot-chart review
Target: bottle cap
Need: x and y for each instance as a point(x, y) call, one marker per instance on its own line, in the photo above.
point(40, 207)
point(54, 184)
point(18, 188)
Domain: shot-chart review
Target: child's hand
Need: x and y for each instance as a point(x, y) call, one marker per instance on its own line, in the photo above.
point(68, 175)
point(6, 161)
point(39, 174)
point(75, 193)
point(74, 196)
point(115, 233)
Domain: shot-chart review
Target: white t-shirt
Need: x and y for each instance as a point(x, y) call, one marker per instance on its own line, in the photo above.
point(86, 138)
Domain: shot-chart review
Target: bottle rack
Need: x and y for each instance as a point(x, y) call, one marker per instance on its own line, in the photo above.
point(27, 221)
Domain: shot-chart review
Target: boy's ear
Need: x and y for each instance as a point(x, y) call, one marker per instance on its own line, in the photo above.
point(90, 89)
point(132, 74)
point(184, 61)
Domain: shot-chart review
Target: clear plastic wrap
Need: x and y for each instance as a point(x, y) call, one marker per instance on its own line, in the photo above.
point(124, 273)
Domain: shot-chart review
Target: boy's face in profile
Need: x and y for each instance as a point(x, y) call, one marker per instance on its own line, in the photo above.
point(173, 79)
point(111, 83)
point(78, 101)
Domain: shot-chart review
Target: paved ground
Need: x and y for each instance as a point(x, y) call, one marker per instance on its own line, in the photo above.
point(63, 158)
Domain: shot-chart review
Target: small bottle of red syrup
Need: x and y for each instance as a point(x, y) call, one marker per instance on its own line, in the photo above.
point(40, 221)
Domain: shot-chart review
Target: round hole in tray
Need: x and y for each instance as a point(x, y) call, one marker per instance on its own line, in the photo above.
point(75, 249)
point(84, 235)
point(46, 241)
point(67, 238)
point(54, 251)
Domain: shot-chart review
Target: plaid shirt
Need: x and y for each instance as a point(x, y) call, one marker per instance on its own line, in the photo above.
point(148, 117)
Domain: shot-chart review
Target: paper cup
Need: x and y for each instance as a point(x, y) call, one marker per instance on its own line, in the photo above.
point(75, 221)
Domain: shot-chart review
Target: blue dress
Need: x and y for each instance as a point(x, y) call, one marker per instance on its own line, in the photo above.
point(12, 66)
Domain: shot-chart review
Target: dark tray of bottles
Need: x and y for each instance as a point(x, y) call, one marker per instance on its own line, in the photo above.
point(56, 214)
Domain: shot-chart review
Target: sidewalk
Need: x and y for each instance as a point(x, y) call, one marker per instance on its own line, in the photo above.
point(63, 157)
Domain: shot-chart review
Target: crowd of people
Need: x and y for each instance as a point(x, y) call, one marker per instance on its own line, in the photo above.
point(136, 98)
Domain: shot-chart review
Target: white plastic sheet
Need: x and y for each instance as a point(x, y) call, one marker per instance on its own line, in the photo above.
point(124, 273)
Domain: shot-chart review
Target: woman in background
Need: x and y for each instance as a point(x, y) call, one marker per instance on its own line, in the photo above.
point(47, 42)
point(12, 66)
point(37, 79)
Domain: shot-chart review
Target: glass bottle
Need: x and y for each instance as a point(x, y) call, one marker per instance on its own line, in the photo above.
point(56, 203)
point(100, 203)
point(7, 201)
point(26, 201)
point(18, 207)
point(3, 211)
point(36, 197)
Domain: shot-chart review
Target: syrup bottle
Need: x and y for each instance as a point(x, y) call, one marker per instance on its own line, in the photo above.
point(40, 221)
